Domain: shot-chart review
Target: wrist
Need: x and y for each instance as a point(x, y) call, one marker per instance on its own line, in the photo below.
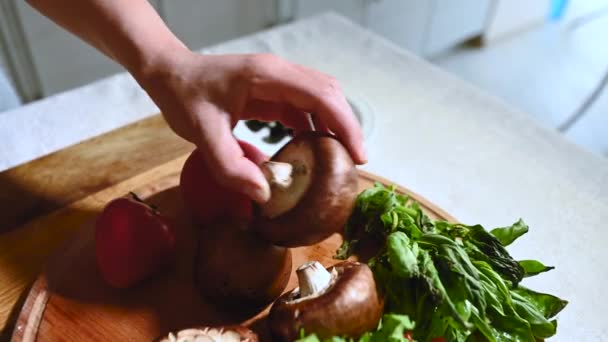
point(157, 60)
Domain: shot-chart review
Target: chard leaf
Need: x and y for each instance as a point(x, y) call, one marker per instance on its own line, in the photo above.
point(534, 267)
point(507, 235)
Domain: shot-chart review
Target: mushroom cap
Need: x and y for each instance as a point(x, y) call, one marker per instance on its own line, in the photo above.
point(231, 333)
point(321, 197)
point(236, 269)
point(350, 307)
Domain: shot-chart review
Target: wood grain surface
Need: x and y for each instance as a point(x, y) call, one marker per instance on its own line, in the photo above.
point(25, 250)
point(53, 181)
point(41, 201)
point(69, 300)
point(46, 201)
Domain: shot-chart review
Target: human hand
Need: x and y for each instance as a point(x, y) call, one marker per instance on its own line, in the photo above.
point(202, 97)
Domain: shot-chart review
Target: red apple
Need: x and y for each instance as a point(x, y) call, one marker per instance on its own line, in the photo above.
point(205, 198)
point(132, 242)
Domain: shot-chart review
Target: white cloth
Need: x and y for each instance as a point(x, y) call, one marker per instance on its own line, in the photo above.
point(466, 151)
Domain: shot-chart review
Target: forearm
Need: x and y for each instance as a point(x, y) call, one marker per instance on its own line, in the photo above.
point(128, 31)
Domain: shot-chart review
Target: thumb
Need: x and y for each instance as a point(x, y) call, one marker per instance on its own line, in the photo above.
point(228, 162)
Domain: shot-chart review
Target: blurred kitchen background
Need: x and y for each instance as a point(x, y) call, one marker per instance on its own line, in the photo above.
point(548, 58)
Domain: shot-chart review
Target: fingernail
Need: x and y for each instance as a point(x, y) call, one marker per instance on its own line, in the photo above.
point(260, 194)
point(363, 154)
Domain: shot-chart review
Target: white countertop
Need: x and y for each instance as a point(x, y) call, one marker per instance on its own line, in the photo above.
point(462, 149)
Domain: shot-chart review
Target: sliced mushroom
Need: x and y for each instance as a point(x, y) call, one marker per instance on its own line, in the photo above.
point(314, 185)
point(234, 333)
point(341, 301)
point(235, 268)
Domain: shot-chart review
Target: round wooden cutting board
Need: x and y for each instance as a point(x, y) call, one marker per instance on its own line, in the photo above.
point(69, 301)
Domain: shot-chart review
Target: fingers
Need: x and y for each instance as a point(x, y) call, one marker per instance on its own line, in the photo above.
point(320, 125)
point(275, 80)
point(345, 126)
point(231, 167)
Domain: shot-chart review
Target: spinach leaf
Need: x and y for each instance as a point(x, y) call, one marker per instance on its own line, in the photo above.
point(510, 327)
point(534, 267)
point(540, 326)
point(402, 255)
point(460, 271)
point(501, 289)
point(377, 212)
point(434, 285)
point(497, 255)
point(548, 305)
point(453, 280)
point(309, 338)
point(507, 235)
point(481, 245)
point(392, 328)
point(484, 327)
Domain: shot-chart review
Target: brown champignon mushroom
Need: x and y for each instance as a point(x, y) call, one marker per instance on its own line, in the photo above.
point(236, 269)
point(314, 186)
point(343, 301)
point(232, 333)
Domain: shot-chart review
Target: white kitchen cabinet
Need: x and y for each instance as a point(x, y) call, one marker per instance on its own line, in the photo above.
point(202, 23)
point(61, 60)
point(355, 10)
point(453, 22)
point(404, 22)
point(425, 27)
point(57, 61)
point(511, 16)
point(8, 96)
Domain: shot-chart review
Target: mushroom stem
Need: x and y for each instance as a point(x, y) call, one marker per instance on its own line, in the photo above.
point(312, 278)
point(278, 173)
point(211, 334)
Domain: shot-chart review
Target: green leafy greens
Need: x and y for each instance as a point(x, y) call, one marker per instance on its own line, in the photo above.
point(392, 328)
point(445, 280)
